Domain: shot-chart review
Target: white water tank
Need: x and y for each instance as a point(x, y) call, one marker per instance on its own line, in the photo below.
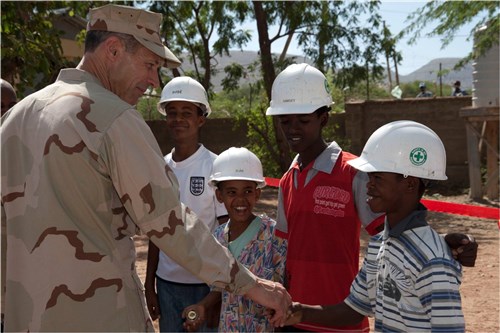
point(486, 77)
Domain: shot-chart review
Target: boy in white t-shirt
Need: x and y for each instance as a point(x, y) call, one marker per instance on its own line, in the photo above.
point(185, 105)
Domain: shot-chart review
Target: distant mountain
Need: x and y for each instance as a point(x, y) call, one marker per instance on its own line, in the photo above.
point(427, 72)
point(243, 58)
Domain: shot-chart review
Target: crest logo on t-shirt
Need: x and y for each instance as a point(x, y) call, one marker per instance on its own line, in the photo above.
point(197, 185)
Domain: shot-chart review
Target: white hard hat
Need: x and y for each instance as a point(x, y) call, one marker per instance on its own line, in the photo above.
point(184, 88)
point(405, 147)
point(299, 89)
point(237, 164)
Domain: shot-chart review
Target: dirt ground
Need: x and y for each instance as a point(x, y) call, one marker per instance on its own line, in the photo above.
point(480, 285)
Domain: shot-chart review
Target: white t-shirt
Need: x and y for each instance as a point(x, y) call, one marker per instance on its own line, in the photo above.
point(193, 174)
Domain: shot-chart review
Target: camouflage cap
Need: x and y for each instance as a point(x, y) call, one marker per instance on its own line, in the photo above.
point(142, 24)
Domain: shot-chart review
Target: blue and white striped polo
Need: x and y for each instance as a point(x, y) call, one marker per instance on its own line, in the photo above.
point(409, 280)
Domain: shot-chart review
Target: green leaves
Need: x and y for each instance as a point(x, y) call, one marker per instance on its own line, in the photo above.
point(452, 15)
point(31, 45)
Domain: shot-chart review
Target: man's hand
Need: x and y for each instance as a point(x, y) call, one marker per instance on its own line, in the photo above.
point(273, 296)
point(463, 247)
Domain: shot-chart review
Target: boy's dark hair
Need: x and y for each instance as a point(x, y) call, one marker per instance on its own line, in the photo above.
point(323, 109)
point(201, 112)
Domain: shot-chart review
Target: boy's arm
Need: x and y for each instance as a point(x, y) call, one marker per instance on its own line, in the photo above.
point(328, 315)
point(437, 286)
point(149, 283)
point(281, 221)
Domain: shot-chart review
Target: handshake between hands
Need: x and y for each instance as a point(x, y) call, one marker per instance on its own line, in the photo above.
point(270, 294)
point(282, 312)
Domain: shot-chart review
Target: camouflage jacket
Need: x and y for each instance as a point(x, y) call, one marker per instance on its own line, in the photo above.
point(81, 174)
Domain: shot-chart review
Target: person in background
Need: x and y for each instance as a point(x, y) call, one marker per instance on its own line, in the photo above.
point(322, 200)
point(184, 103)
point(409, 280)
point(457, 90)
point(9, 97)
point(423, 91)
point(81, 174)
point(238, 179)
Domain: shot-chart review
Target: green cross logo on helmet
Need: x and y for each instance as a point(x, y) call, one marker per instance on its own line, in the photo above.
point(418, 156)
point(327, 87)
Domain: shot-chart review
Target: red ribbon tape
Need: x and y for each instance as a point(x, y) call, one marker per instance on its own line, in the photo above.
point(441, 206)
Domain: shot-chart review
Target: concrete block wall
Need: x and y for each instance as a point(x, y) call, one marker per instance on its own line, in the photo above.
point(441, 114)
point(217, 134)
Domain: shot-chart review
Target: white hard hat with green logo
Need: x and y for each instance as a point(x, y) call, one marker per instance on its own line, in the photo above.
point(405, 147)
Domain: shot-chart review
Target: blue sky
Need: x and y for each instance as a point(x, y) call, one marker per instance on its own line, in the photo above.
point(414, 56)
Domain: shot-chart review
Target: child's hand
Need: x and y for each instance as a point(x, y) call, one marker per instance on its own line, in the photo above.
point(294, 314)
point(463, 247)
point(194, 316)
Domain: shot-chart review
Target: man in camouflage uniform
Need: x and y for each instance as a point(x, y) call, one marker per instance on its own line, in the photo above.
point(81, 174)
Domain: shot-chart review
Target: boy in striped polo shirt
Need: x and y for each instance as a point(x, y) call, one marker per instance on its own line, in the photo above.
point(409, 280)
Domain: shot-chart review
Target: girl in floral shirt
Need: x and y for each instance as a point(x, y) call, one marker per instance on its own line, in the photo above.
point(238, 178)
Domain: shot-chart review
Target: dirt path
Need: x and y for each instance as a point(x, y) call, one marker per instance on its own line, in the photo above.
point(480, 286)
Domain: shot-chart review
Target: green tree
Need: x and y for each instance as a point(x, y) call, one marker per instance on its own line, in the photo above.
point(451, 15)
point(390, 52)
point(202, 30)
point(328, 32)
point(248, 104)
point(331, 33)
point(341, 36)
point(31, 45)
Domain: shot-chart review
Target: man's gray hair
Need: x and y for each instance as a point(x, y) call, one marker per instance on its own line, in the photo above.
point(95, 37)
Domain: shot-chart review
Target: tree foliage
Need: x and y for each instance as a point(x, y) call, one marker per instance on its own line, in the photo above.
point(31, 45)
point(330, 33)
point(343, 38)
point(333, 34)
point(202, 30)
point(249, 104)
point(450, 16)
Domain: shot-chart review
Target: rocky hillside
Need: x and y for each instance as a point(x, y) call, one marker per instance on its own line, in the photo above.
point(427, 72)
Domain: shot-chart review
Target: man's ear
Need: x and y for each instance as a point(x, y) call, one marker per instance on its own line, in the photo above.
point(113, 47)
